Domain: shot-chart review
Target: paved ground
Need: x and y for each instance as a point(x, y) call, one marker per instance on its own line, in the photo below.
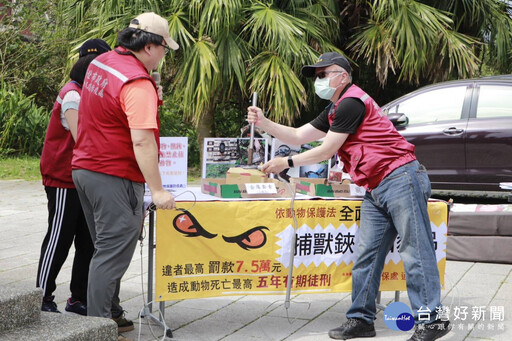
point(23, 219)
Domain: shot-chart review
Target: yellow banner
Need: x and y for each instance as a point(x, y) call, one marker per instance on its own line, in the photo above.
point(243, 247)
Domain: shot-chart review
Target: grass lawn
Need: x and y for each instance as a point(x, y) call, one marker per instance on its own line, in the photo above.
point(27, 168)
point(19, 168)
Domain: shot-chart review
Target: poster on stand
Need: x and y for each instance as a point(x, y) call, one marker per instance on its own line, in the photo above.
point(220, 154)
point(172, 163)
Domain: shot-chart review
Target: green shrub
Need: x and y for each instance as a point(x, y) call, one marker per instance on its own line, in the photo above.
point(229, 119)
point(33, 49)
point(22, 123)
point(172, 124)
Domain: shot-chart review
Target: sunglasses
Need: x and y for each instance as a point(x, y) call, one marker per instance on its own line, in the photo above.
point(322, 74)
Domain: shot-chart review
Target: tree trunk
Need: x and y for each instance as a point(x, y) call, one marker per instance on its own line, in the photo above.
point(205, 128)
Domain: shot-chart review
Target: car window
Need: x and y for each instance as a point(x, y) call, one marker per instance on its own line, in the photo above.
point(494, 101)
point(433, 106)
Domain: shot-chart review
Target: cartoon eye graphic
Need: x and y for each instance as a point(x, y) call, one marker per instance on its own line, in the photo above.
point(252, 239)
point(186, 223)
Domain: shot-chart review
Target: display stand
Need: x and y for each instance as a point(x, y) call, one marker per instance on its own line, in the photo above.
point(382, 306)
point(148, 310)
point(160, 320)
point(151, 291)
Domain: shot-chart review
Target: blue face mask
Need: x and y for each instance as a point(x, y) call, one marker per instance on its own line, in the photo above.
point(322, 88)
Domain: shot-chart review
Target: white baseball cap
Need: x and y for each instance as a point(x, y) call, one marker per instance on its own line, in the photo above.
point(153, 23)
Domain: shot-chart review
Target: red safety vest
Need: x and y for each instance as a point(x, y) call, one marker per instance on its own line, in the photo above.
point(58, 145)
point(104, 141)
point(376, 148)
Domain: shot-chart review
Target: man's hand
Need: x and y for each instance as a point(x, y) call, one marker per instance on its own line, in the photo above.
point(255, 115)
point(160, 92)
point(163, 200)
point(275, 166)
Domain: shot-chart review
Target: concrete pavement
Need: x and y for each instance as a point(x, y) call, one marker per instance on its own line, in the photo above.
point(482, 290)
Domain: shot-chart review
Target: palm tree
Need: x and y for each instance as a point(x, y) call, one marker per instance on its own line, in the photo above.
point(231, 48)
point(489, 21)
point(228, 48)
point(236, 47)
point(88, 19)
point(433, 40)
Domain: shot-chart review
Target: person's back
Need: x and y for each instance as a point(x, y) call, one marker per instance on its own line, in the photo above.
point(116, 152)
point(104, 143)
point(66, 221)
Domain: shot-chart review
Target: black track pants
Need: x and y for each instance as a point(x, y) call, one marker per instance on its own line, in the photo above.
point(66, 223)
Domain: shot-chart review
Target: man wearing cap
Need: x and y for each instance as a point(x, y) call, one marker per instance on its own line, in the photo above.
point(66, 221)
point(397, 187)
point(116, 152)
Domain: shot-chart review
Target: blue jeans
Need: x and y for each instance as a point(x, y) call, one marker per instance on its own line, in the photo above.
point(397, 205)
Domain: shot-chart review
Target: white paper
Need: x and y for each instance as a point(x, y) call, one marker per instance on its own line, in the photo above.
point(261, 188)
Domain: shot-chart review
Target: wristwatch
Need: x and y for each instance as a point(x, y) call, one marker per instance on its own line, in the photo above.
point(290, 162)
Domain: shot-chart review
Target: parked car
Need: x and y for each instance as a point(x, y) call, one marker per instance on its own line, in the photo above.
point(462, 131)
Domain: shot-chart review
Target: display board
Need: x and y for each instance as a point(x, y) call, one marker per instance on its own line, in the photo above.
point(172, 164)
point(317, 170)
point(220, 154)
point(223, 248)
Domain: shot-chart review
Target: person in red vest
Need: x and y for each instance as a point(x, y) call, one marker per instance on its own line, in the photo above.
point(66, 221)
point(397, 187)
point(116, 152)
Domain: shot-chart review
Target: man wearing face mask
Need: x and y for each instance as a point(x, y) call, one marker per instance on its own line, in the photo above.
point(397, 187)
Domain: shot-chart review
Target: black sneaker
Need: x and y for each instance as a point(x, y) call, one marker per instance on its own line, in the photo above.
point(432, 331)
point(77, 307)
point(49, 305)
point(123, 324)
point(352, 328)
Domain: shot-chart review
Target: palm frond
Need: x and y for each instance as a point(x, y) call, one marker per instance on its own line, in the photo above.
point(283, 93)
point(232, 55)
point(197, 82)
point(269, 28)
point(456, 55)
point(220, 15)
point(178, 28)
point(402, 36)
